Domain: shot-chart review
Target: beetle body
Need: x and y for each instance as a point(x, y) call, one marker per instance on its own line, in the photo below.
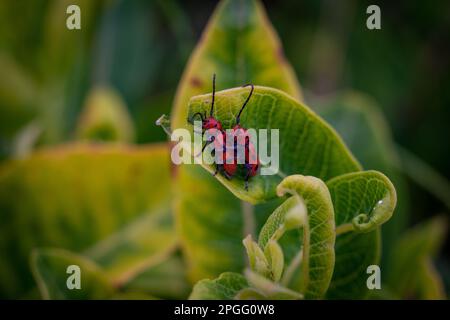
point(230, 166)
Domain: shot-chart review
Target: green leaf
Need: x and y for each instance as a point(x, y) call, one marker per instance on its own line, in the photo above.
point(362, 202)
point(231, 47)
point(53, 276)
point(105, 117)
point(256, 257)
point(166, 280)
point(412, 272)
point(317, 236)
point(308, 145)
point(262, 288)
point(210, 225)
point(81, 197)
point(211, 221)
point(361, 123)
point(275, 257)
point(223, 288)
point(144, 242)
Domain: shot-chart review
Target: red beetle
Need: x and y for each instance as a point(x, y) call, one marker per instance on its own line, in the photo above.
point(251, 163)
point(229, 166)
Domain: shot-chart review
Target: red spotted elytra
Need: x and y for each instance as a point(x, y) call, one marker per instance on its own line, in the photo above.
point(229, 166)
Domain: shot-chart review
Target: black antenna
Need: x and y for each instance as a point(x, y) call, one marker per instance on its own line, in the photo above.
point(238, 118)
point(213, 93)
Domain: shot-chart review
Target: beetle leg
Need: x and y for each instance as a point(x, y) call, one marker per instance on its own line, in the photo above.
point(247, 177)
point(227, 175)
point(204, 147)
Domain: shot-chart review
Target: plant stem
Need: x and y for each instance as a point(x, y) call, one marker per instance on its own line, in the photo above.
point(344, 228)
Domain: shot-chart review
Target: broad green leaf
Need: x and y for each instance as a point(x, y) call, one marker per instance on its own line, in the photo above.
point(412, 272)
point(211, 220)
point(51, 269)
point(317, 234)
point(307, 144)
point(225, 287)
point(105, 117)
point(79, 197)
point(362, 202)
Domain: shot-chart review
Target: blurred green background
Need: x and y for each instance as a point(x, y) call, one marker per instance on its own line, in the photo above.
point(136, 51)
point(141, 47)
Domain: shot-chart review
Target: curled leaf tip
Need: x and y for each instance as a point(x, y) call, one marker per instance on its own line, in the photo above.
point(164, 123)
point(381, 212)
point(373, 201)
point(293, 183)
point(160, 120)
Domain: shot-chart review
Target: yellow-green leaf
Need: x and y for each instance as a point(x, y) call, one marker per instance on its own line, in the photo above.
point(61, 274)
point(87, 199)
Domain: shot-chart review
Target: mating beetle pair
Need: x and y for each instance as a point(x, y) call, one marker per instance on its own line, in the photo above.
point(229, 167)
